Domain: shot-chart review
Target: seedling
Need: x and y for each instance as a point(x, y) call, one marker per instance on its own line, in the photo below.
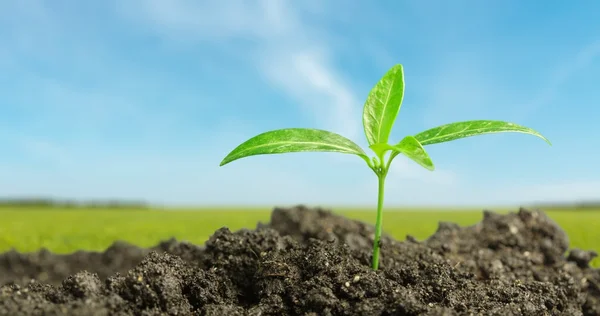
point(379, 113)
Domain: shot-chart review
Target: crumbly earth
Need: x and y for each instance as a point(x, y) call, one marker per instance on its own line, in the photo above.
point(312, 262)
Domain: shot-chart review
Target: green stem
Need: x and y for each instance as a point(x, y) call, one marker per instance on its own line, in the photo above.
point(378, 224)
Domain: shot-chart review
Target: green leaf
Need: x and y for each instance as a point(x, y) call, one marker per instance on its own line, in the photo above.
point(458, 130)
point(294, 140)
point(381, 148)
point(382, 106)
point(410, 147)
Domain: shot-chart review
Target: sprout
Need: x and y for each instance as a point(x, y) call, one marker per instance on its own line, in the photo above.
point(379, 114)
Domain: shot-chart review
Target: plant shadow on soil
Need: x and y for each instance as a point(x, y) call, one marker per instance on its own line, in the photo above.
point(313, 262)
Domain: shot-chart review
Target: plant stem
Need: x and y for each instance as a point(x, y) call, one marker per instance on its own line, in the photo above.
point(379, 222)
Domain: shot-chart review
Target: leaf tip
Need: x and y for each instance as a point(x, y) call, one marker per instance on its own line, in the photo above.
point(225, 161)
point(544, 138)
point(429, 164)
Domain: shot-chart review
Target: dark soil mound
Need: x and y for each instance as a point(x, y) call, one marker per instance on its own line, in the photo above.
point(312, 262)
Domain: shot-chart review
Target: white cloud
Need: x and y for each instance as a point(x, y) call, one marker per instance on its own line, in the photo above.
point(295, 57)
point(289, 52)
point(214, 19)
point(292, 55)
point(307, 77)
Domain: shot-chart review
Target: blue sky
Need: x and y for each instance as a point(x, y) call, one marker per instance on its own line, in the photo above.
point(142, 99)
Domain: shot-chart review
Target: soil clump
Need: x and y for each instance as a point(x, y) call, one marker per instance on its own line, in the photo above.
point(313, 262)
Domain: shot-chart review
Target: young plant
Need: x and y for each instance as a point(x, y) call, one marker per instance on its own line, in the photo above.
point(379, 113)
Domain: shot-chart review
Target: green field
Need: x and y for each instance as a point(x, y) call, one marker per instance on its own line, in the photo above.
point(63, 230)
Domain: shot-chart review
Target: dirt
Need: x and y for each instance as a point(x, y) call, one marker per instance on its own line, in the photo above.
point(312, 262)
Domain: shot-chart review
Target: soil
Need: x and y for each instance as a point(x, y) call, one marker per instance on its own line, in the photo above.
point(312, 262)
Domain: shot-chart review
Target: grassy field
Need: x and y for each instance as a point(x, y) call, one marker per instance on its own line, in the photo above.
point(65, 230)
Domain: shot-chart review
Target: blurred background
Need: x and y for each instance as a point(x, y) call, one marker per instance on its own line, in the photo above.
point(137, 102)
point(142, 99)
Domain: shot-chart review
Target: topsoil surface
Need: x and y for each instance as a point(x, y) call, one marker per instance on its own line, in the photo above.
point(312, 262)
